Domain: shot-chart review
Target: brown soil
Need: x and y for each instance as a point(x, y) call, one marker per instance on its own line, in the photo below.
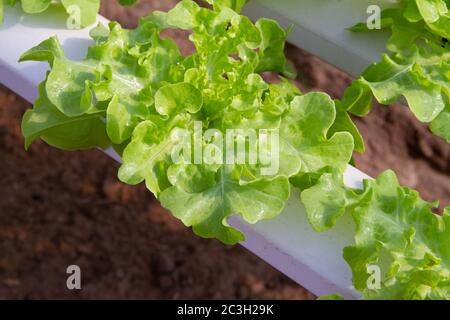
point(59, 208)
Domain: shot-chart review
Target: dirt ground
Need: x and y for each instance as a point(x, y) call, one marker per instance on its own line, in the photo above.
point(59, 208)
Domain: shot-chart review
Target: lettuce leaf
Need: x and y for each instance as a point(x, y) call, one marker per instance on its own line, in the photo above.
point(207, 211)
point(88, 9)
point(395, 230)
point(236, 5)
point(122, 71)
point(4, 3)
point(417, 68)
point(58, 130)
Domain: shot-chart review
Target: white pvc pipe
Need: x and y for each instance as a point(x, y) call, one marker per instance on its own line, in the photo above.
point(320, 27)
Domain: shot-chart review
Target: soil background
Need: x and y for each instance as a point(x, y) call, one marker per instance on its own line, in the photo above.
point(59, 208)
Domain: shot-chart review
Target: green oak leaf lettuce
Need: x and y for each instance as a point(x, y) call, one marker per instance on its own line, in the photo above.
point(305, 127)
point(417, 67)
point(395, 230)
point(58, 130)
point(396, 221)
point(122, 70)
point(303, 132)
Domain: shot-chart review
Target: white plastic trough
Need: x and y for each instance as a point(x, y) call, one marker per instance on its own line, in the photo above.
point(320, 27)
point(288, 242)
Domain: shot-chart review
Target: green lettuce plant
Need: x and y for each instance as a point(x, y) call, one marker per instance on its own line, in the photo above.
point(395, 229)
point(135, 91)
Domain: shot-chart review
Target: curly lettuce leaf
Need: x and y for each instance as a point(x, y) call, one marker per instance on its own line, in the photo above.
point(273, 39)
point(440, 125)
point(35, 6)
point(305, 127)
point(395, 230)
point(125, 80)
point(388, 80)
point(224, 69)
point(416, 70)
point(326, 200)
point(304, 142)
point(231, 32)
point(343, 123)
point(207, 211)
point(148, 156)
point(88, 10)
point(63, 132)
point(434, 13)
point(416, 241)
